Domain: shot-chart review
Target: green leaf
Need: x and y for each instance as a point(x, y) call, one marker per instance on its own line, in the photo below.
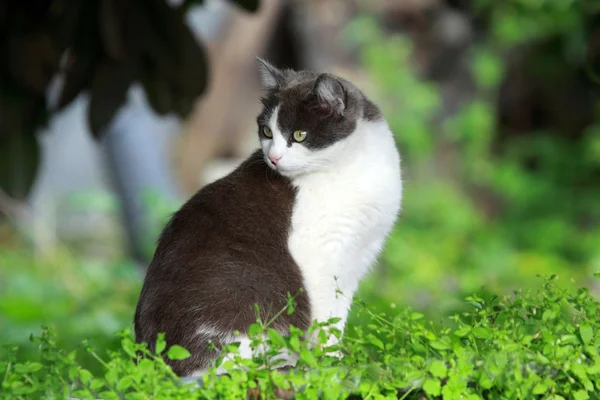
point(540, 388)
point(548, 315)
point(322, 336)
point(375, 341)
point(124, 383)
point(485, 382)
point(439, 345)
point(275, 338)
point(28, 368)
point(587, 333)
point(295, 343)
point(416, 316)
point(128, 347)
point(432, 387)
point(482, 332)
point(255, 330)
point(438, 369)
point(280, 380)
point(308, 358)
point(85, 376)
point(501, 359)
point(580, 395)
point(111, 376)
point(161, 343)
point(96, 384)
point(145, 366)
point(463, 331)
point(290, 308)
point(35, 366)
point(177, 352)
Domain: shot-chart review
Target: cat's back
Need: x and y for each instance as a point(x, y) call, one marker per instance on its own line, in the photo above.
point(250, 203)
point(229, 236)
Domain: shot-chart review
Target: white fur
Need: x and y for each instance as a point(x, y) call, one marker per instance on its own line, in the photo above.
point(208, 332)
point(349, 196)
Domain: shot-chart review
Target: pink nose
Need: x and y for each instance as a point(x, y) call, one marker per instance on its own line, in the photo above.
point(274, 159)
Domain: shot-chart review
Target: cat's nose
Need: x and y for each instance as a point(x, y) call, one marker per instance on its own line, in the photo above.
point(275, 159)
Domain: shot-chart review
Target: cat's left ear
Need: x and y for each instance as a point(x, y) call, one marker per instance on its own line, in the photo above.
point(330, 95)
point(271, 77)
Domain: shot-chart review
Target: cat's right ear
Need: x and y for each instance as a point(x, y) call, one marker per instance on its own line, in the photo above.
point(329, 94)
point(271, 77)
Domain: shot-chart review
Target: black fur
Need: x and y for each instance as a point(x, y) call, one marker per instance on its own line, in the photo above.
point(222, 252)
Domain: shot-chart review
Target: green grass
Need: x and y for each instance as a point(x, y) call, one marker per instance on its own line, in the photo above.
point(81, 299)
point(540, 344)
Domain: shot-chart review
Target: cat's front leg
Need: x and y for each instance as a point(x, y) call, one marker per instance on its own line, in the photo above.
point(333, 302)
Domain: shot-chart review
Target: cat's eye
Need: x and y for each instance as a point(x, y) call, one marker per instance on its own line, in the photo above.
point(267, 132)
point(299, 136)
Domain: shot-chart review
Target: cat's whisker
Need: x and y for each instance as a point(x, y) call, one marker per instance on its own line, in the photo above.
point(267, 171)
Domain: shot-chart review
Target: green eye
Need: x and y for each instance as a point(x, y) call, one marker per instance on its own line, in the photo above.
point(299, 136)
point(267, 132)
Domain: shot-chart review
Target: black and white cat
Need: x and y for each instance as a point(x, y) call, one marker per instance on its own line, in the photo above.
point(311, 209)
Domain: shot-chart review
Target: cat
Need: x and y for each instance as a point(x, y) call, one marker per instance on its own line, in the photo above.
point(305, 215)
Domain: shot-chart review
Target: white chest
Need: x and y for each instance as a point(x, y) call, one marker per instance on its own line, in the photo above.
point(341, 219)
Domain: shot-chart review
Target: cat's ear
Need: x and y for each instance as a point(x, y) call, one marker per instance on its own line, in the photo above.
point(330, 95)
point(270, 76)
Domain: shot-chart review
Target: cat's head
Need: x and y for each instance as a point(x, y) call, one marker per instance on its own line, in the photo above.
point(306, 118)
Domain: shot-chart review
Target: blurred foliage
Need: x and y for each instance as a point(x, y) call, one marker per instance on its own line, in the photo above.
point(517, 21)
point(482, 210)
point(98, 47)
point(81, 299)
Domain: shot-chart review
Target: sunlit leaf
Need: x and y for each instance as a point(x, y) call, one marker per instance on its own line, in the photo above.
point(177, 352)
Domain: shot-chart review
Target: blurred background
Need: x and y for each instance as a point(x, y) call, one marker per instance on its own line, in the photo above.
point(113, 113)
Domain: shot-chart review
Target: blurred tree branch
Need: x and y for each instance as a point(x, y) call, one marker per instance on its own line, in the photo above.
point(232, 61)
point(98, 47)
